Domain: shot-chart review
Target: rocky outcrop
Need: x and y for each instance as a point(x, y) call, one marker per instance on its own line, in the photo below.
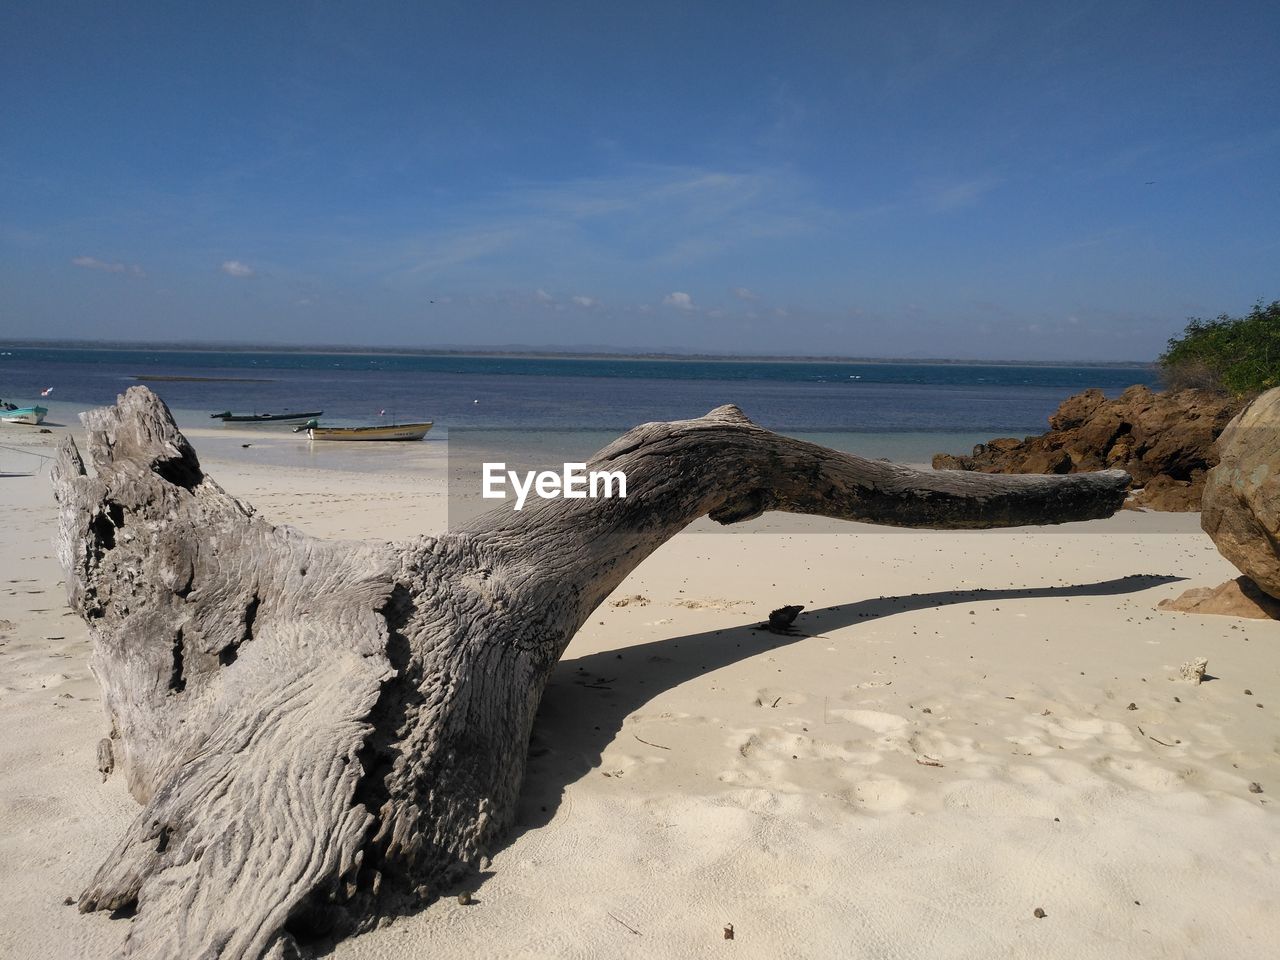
point(1240, 597)
point(1242, 493)
point(1165, 441)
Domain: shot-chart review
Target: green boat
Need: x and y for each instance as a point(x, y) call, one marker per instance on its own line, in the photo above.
point(12, 413)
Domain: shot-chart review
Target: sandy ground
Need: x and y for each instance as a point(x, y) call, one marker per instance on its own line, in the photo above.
point(967, 727)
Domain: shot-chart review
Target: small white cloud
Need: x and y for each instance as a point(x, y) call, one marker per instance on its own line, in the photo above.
point(743, 293)
point(235, 268)
point(946, 197)
point(542, 296)
point(681, 301)
point(586, 301)
point(93, 263)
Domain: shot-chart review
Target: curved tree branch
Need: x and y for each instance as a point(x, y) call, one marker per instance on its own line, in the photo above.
point(321, 731)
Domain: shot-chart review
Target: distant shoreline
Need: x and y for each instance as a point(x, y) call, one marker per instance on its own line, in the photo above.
point(168, 378)
point(530, 353)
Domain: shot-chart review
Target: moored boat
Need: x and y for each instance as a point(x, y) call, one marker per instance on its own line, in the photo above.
point(228, 417)
point(11, 413)
point(390, 431)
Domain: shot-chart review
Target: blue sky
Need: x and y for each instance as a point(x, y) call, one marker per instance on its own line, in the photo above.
point(988, 180)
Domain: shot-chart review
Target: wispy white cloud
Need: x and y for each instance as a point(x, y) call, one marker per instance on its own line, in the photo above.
point(744, 293)
point(946, 196)
point(236, 268)
point(679, 300)
point(586, 301)
point(642, 216)
point(542, 296)
point(437, 253)
point(107, 266)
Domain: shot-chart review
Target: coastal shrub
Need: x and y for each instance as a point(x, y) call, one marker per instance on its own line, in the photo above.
point(1239, 355)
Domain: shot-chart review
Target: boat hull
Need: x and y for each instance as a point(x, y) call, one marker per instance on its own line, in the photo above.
point(31, 415)
point(400, 431)
point(266, 417)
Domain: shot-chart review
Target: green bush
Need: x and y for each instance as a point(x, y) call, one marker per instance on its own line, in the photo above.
point(1239, 355)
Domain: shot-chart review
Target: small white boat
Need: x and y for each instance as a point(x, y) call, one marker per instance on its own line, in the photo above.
point(390, 431)
point(9, 413)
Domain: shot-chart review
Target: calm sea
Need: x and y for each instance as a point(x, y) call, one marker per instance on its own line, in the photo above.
point(900, 410)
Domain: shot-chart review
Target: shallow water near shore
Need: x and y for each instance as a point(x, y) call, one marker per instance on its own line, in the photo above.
point(899, 411)
point(578, 394)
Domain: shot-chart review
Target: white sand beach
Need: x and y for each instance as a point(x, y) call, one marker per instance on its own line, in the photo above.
point(965, 729)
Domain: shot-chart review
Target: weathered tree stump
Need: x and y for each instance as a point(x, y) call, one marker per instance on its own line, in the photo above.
point(321, 731)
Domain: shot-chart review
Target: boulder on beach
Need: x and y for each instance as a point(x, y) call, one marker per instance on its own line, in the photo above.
point(1240, 597)
point(1241, 508)
point(1165, 441)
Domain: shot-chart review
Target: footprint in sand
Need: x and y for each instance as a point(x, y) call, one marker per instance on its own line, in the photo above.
point(1079, 732)
point(1144, 775)
point(788, 747)
point(873, 720)
point(773, 698)
point(995, 798)
point(880, 796)
point(942, 746)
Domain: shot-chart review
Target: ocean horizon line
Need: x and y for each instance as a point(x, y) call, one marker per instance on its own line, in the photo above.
point(521, 351)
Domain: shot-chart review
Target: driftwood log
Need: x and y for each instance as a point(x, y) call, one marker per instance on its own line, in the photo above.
point(324, 732)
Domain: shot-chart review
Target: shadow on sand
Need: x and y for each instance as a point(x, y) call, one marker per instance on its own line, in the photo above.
point(589, 697)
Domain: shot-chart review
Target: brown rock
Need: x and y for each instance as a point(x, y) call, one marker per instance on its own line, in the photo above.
point(1240, 597)
point(1003, 444)
point(1047, 461)
point(946, 461)
point(1165, 493)
point(1165, 441)
point(1242, 494)
point(1077, 409)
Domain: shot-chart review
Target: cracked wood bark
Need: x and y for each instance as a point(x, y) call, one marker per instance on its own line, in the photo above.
point(320, 731)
